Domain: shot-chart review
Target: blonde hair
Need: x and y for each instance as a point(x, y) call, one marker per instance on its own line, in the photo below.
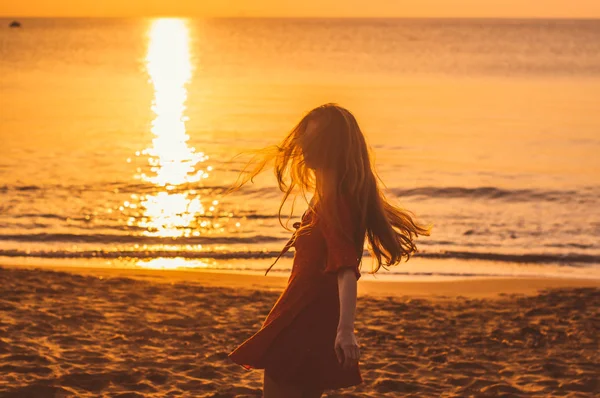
point(340, 155)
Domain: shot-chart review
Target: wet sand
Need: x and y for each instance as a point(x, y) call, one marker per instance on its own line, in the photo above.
point(130, 333)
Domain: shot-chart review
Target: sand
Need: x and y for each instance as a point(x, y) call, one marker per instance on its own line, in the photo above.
point(112, 333)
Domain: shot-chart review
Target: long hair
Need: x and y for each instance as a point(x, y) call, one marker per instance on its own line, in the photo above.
point(326, 153)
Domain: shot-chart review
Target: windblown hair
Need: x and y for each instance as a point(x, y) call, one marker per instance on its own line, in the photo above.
point(333, 161)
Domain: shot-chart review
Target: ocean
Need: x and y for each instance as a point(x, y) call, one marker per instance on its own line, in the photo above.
point(118, 138)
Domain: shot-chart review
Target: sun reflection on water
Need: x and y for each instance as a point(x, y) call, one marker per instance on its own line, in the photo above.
point(173, 209)
point(174, 263)
point(170, 70)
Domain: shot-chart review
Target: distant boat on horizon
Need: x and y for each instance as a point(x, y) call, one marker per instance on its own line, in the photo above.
point(15, 24)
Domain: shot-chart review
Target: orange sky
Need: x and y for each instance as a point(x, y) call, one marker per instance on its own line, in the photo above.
point(306, 8)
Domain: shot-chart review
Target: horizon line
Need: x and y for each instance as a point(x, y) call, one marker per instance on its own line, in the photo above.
point(596, 18)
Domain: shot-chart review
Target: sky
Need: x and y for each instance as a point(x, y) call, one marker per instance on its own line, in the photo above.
point(305, 8)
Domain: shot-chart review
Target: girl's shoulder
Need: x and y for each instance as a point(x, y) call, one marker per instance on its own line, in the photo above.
point(338, 213)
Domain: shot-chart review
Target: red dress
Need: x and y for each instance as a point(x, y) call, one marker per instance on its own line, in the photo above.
point(295, 343)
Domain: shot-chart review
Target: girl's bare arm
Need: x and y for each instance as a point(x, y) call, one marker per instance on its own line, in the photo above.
point(347, 287)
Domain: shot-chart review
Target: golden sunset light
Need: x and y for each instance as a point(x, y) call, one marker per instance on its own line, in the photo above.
point(310, 8)
point(279, 199)
point(172, 161)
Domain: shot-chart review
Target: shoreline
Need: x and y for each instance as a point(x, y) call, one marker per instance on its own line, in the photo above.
point(485, 287)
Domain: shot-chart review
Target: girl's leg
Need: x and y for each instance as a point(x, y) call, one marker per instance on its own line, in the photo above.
point(272, 389)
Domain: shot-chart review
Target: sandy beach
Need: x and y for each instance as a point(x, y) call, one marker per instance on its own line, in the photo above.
point(126, 333)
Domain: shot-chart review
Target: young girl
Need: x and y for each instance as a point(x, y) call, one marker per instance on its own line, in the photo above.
point(307, 342)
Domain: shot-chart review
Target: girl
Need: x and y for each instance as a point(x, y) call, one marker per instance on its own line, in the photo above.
point(307, 342)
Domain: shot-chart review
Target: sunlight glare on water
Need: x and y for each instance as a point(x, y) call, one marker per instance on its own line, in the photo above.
point(175, 263)
point(172, 210)
point(170, 70)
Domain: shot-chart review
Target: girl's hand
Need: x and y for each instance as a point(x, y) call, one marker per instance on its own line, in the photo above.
point(347, 349)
